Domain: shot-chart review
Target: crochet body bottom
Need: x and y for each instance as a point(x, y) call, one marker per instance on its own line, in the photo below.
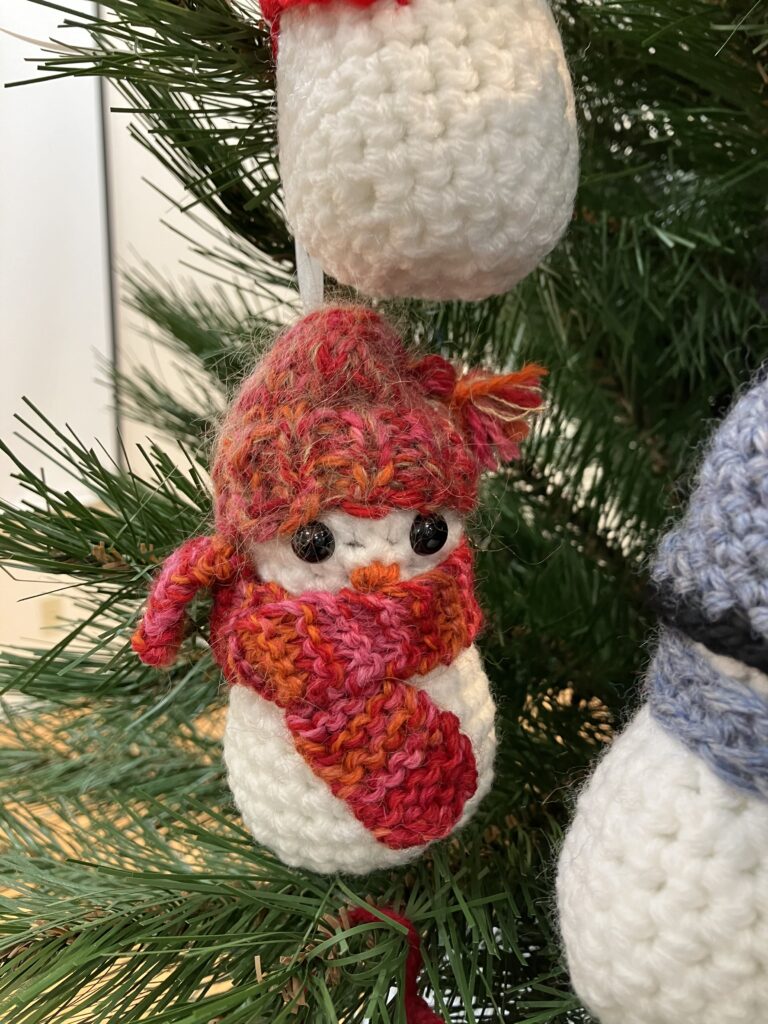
point(289, 808)
point(337, 666)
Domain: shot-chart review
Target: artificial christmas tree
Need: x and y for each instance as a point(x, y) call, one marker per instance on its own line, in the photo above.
point(133, 891)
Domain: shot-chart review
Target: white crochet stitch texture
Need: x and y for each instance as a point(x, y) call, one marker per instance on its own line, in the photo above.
point(663, 889)
point(285, 806)
point(427, 149)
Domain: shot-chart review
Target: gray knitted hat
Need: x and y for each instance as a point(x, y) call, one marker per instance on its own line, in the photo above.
point(710, 575)
point(710, 579)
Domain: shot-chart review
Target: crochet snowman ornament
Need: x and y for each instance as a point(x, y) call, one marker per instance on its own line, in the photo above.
point(360, 725)
point(663, 877)
point(428, 148)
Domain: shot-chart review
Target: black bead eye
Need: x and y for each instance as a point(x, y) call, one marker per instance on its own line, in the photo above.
point(428, 534)
point(313, 542)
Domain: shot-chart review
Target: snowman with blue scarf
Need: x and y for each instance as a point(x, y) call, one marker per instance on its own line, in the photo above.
point(663, 877)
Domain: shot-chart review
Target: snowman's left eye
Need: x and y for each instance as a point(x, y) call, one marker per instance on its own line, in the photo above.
point(313, 542)
point(428, 534)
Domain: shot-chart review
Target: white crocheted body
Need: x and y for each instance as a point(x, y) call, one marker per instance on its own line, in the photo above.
point(293, 812)
point(663, 889)
point(427, 149)
point(283, 803)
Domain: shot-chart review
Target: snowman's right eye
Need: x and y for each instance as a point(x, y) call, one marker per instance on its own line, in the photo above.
point(313, 542)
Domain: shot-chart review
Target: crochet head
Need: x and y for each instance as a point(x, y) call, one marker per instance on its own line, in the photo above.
point(711, 572)
point(428, 148)
point(343, 439)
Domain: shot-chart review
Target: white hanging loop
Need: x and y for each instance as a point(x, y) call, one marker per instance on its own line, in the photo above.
point(310, 275)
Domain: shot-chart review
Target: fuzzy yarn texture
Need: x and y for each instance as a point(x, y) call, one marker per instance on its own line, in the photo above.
point(715, 713)
point(360, 725)
point(371, 770)
point(663, 876)
point(339, 415)
point(272, 11)
point(337, 665)
point(427, 149)
point(288, 808)
point(663, 889)
point(711, 572)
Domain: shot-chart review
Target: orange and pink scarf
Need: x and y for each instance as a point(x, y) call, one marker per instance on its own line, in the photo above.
point(339, 666)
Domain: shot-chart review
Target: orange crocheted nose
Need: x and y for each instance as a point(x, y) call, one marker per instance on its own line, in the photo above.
point(373, 577)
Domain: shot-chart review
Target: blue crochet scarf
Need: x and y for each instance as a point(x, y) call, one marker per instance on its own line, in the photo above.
point(721, 719)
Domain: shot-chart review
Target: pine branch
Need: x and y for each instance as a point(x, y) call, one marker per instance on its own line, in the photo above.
point(214, 129)
point(130, 890)
point(669, 94)
point(196, 904)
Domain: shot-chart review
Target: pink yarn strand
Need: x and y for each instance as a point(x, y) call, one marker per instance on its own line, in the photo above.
point(197, 565)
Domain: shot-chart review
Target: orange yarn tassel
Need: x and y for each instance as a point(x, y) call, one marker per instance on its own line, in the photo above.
point(495, 410)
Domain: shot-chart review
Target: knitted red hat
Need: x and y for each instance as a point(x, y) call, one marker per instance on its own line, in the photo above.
point(339, 415)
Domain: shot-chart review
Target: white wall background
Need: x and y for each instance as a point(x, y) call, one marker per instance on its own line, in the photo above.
point(55, 314)
point(54, 270)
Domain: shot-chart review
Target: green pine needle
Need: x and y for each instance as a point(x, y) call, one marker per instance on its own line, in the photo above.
point(129, 890)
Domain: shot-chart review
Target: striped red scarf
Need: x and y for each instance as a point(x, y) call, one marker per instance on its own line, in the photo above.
point(339, 665)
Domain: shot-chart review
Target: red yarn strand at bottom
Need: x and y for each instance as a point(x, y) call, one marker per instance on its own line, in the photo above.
point(416, 1009)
